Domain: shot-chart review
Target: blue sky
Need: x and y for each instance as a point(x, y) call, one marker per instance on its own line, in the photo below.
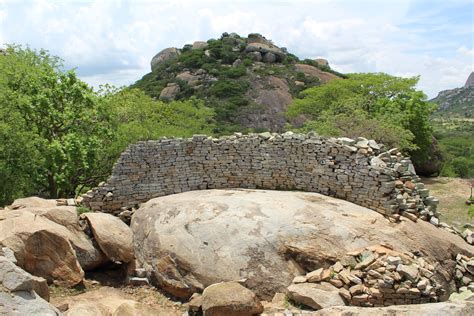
point(114, 41)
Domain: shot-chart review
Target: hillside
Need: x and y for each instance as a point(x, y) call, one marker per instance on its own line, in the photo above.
point(453, 125)
point(249, 82)
point(458, 102)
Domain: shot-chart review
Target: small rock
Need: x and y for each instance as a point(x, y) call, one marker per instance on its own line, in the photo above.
point(299, 279)
point(357, 289)
point(345, 294)
point(410, 272)
point(337, 267)
point(336, 282)
point(315, 276)
point(195, 303)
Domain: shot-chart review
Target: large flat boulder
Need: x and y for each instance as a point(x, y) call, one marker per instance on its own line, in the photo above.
point(269, 237)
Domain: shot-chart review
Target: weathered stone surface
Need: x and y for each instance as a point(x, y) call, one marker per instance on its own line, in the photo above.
point(438, 309)
point(199, 45)
point(410, 271)
point(164, 55)
point(230, 298)
point(174, 276)
point(269, 58)
point(32, 202)
point(68, 226)
point(14, 279)
point(266, 228)
point(41, 247)
point(23, 303)
point(314, 72)
point(169, 92)
point(317, 296)
point(273, 95)
point(113, 236)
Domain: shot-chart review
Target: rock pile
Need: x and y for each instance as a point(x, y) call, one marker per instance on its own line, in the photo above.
point(468, 235)
point(358, 171)
point(53, 242)
point(374, 276)
point(260, 49)
point(464, 274)
point(412, 199)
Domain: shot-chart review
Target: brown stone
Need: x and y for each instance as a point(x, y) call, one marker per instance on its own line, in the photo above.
point(230, 298)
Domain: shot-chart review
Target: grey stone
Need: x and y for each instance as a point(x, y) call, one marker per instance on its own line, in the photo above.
point(25, 303)
point(317, 296)
point(163, 56)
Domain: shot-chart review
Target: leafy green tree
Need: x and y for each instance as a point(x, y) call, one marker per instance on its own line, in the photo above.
point(58, 129)
point(58, 136)
point(134, 116)
point(375, 105)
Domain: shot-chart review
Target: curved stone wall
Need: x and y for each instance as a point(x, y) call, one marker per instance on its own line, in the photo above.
point(354, 170)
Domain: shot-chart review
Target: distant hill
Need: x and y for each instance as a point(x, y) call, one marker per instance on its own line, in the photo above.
point(458, 102)
point(249, 81)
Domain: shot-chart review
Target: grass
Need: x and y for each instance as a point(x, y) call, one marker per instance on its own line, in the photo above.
point(452, 194)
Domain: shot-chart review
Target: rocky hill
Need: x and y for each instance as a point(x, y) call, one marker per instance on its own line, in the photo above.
point(248, 81)
point(458, 102)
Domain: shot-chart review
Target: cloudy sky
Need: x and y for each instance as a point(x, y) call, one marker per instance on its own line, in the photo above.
point(113, 41)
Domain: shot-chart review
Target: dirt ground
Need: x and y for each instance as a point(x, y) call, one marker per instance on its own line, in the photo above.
point(97, 285)
point(452, 194)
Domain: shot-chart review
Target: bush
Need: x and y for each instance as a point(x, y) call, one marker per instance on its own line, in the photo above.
point(227, 89)
point(379, 106)
point(235, 72)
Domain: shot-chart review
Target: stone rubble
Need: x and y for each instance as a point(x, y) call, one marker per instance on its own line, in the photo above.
point(378, 276)
point(464, 273)
point(357, 170)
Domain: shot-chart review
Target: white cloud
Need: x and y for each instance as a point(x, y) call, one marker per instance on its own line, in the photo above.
point(113, 41)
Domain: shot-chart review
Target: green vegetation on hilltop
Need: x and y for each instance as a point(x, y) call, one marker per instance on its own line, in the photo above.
point(224, 73)
point(378, 106)
point(58, 136)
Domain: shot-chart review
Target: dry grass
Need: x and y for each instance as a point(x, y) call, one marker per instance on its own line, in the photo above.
point(452, 194)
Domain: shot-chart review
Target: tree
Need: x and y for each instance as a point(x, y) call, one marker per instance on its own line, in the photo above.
point(134, 116)
point(386, 108)
point(58, 136)
point(57, 127)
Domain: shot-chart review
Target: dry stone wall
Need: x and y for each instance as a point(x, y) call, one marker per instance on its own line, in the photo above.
point(358, 171)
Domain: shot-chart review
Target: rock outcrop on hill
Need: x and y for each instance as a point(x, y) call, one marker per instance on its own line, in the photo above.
point(235, 76)
point(190, 240)
point(458, 102)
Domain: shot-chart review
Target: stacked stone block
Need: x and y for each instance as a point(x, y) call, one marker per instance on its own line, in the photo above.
point(358, 171)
